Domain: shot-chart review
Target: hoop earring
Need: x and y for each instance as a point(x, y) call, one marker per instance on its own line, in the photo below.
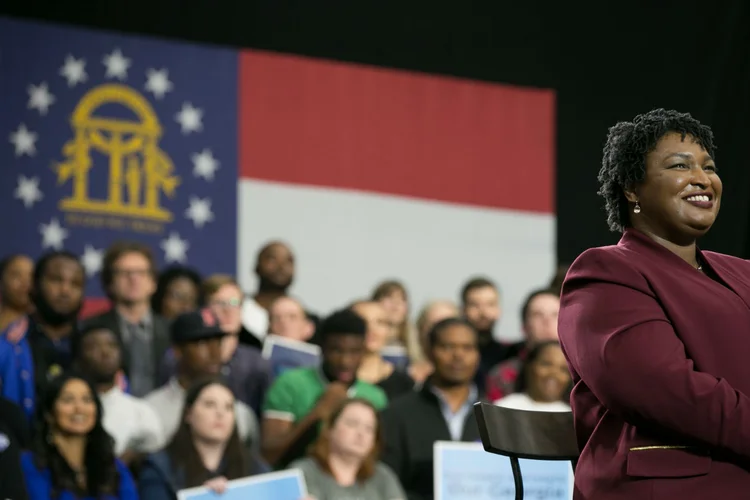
point(637, 208)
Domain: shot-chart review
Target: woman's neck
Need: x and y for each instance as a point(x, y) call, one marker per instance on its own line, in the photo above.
point(538, 397)
point(344, 469)
point(685, 250)
point(211, 453)
point(8, 316)
point(373, 368)
point(72, 449)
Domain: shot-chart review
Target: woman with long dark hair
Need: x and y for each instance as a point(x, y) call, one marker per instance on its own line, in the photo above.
point(205, 451)
point(72, 456)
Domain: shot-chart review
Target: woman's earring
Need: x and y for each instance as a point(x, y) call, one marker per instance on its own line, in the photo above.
point(637, 208)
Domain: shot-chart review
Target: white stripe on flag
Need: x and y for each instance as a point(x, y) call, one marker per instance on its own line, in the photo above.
point(345, 242)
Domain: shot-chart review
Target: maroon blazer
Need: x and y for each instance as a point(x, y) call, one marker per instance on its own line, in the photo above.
point(660, 357)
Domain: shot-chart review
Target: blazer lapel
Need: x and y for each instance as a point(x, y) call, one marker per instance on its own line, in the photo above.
point(722, 266)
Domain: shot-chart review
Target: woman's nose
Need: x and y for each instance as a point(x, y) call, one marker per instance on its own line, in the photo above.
point(700, 178)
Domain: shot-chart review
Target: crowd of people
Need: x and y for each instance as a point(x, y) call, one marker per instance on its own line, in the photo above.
point(169, 388)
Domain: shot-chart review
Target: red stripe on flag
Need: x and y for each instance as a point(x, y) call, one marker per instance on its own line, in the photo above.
point(340, 125)
point(93, 306)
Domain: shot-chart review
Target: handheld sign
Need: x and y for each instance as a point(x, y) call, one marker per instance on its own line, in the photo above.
point(284, 353)
point(464, 471)
point(283, 485)
point(397, 355)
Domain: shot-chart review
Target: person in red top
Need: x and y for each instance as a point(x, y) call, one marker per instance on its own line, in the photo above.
point(539, 317)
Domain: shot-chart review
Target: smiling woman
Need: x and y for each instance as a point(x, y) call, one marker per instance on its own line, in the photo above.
point(72, 455)
point(680, 197)
point(653, 328)
point(544, 381)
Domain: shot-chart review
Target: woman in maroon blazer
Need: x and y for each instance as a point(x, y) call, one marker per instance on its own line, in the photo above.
point(657, 332)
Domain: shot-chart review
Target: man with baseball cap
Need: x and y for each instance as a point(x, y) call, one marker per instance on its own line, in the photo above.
point(196, 340)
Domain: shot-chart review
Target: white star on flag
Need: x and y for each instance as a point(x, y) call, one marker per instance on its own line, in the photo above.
point(204, 164)
point(190, 118)
point(175, 248)
point(53, 234)
point(40, 98)
point(199, 211)
point(117, 65)
point(157, 82)
point(74, 70)
point(92, 260)
point(24, 141)
point(28, 190)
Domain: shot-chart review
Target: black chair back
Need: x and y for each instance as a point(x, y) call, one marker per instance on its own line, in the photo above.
point(533, 435)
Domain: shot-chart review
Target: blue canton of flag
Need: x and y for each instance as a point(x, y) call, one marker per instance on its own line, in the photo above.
point(106, 137)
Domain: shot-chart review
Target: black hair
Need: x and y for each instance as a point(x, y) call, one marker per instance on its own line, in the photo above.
point(102, 478)
point(522, 382)
point(441, 326)
point(343, 322)
point(7, 261)
point(80, 333)
point(184, 454)
point(41, 264)
point(530, 298)
point(4, 265)
point(476, 283)
point(168, 276)
point(624, 160)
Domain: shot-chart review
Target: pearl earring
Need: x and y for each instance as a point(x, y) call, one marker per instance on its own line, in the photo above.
point(637, 208)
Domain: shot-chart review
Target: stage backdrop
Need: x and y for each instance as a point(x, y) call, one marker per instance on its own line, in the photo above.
point(207, 153)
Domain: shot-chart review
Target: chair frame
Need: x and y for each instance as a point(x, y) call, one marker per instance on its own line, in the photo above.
point(553, 436)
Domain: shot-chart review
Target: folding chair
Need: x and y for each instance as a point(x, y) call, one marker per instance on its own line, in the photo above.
point(534, 435)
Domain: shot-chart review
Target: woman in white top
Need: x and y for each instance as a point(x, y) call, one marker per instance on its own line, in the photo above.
point(544, 381)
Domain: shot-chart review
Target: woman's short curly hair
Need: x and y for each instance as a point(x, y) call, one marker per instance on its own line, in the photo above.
point(624, 161)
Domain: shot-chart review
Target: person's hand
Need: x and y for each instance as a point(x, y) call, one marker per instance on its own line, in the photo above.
point(336, 392)
point(217, 484)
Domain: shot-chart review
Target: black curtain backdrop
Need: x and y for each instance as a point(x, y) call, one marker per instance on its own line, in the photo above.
point(608, 61)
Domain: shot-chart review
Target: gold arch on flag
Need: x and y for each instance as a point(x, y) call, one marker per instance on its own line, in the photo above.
point(139, 171)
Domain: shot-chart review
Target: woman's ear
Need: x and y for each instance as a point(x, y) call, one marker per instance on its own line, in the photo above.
point(630, 194)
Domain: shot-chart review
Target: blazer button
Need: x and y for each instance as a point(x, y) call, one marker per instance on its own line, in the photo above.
point(24, 375)
point(28, 403)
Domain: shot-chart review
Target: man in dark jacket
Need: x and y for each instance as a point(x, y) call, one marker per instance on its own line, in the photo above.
point(444, 405)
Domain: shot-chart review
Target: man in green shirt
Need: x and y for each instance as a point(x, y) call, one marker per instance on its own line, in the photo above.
point(301, 398)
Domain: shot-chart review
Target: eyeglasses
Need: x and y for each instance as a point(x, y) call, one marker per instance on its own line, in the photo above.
point(227, 304)
point(131, 272)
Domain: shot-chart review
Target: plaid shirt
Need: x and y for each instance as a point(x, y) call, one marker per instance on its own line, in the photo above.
point(502, 379)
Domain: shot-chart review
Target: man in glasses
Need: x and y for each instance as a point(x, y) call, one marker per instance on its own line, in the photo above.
point(129, 278)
